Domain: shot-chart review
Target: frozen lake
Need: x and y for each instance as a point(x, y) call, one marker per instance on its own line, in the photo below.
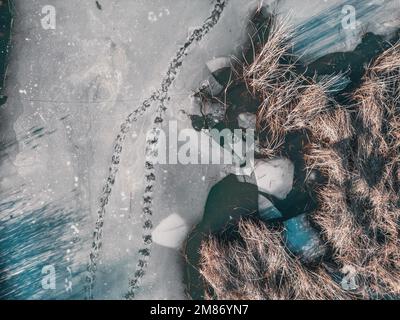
point(121, 62)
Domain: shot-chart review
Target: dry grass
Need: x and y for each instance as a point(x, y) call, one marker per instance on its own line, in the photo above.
point(312, 103)
point(357, 150)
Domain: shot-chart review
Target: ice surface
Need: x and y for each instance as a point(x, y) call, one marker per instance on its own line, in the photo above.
point(247, 120)
point(274, 177)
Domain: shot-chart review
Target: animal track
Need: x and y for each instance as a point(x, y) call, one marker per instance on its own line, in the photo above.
point(161, 96)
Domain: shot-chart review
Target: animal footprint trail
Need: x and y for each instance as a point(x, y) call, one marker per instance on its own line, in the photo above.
point(160, 95)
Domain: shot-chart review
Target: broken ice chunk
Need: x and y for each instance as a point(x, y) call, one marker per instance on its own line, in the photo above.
point(349, 281)
point(269, 214)
point(275, 176)
point(171, 231)
point(266, 209)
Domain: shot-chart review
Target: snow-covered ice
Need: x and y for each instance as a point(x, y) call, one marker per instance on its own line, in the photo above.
point(275, 176)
